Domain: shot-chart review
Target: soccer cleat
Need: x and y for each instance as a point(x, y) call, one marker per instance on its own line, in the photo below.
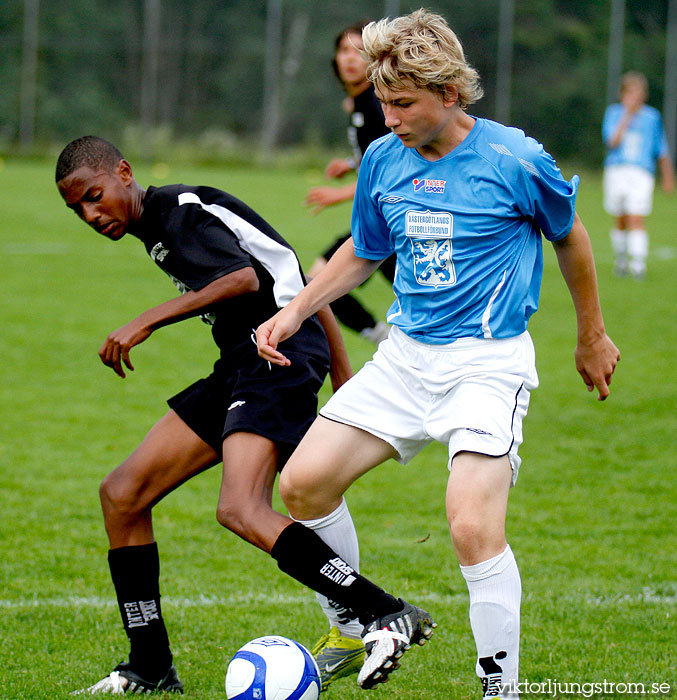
point(123, 680)
point(387, 638)
point(621, 267)
point(337, 656)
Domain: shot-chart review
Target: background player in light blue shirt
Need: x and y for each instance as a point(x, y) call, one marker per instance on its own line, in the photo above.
point(635, 141)
point(464, 203)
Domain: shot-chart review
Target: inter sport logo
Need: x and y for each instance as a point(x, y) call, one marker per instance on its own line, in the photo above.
point(429, 186)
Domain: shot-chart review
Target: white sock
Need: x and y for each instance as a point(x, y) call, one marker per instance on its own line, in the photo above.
point(638, 250)
point(495, 592)
point(619, 246)
point(619, 243)
point(338, 531)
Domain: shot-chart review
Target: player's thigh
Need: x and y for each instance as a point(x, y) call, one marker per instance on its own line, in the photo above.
point(250, 464)
point(328, 460)
point(249, 469)
point(476, 502)
point(478, 487)
point(170, 454)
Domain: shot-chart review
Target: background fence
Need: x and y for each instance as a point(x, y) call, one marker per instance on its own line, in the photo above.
point(228, 73)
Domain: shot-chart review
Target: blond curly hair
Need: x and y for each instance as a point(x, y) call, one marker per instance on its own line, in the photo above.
point(419, 49)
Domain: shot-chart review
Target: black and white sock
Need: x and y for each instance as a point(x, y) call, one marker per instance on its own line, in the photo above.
point(338, 531)
point(136, 577)
point(303, 555)
point(495, 592)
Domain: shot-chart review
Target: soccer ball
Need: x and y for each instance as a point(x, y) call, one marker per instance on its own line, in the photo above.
point(272, 668)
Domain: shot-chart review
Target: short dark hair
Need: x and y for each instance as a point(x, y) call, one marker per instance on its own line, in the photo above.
point(91, 151)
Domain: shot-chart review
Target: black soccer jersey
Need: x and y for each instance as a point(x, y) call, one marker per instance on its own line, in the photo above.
point(199, 234)
point(367, 122)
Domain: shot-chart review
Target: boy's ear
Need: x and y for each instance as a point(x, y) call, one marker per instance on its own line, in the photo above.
point(124, 171)
point(450, 95)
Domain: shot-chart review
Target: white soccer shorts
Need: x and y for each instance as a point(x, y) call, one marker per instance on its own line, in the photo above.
point(628, 189)
point(471, 395)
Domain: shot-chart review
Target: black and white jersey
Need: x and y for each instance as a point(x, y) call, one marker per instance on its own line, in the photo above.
point(199, 234)
point(367, 122)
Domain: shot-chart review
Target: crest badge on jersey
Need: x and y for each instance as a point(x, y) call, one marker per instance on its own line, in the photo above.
point(431, 237)
point(429, 186)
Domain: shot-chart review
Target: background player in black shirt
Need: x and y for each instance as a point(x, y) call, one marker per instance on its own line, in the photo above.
point(236, 271)
point(366, 124)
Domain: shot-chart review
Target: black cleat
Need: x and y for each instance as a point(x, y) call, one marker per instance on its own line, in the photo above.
point(123, 680)
point(387, 638)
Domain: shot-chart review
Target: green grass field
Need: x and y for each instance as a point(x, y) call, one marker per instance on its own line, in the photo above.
point(592, 519)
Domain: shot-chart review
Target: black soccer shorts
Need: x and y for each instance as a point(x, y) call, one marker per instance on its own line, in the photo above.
point(278, 403)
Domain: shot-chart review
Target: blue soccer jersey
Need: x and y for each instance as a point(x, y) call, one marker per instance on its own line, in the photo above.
point(642, 143)
point(466, 229)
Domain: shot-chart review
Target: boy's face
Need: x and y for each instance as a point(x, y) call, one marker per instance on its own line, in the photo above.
point(633, 95)
point(352, 68)
point(101, 199)
point(415, 115)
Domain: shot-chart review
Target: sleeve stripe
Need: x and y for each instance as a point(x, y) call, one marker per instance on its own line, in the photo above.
point(276, 258)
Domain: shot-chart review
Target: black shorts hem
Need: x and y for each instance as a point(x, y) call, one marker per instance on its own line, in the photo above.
point(277, 403)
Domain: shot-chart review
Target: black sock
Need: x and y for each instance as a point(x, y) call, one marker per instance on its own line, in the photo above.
point(136, 577)
point(351, 313)
point(301, 553)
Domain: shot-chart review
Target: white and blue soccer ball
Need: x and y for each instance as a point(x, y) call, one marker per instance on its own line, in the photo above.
point(272, 668)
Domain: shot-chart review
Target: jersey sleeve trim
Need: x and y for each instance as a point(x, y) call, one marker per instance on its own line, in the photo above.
point(372, 254)
point(566, 230)
point(278, 260)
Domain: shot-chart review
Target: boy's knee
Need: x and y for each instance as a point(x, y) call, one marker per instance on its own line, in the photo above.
point(250, 523)
point(287, 488)
point(474, 538)
point(296, 496)
point(119, 496)
point(465, 531)
point(227, 517)
point(110, 492)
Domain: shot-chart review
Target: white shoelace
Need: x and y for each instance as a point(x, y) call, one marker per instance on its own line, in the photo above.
point(380, 635)
point(113, 684)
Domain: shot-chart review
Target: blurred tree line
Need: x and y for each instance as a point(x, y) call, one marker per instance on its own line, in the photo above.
point(199, 78)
